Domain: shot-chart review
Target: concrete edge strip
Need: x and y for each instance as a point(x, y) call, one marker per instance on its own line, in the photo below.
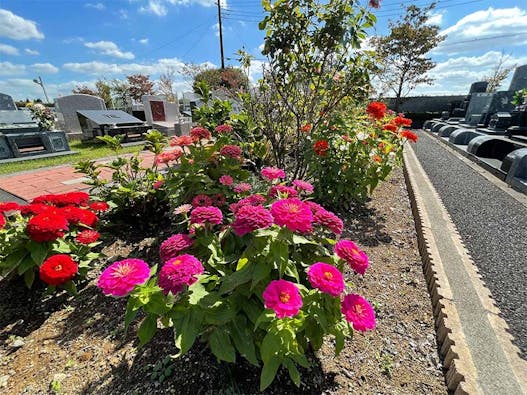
point(475, 164)
point(461, 373)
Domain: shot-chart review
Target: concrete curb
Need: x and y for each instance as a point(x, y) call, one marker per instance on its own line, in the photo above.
point(476, 348)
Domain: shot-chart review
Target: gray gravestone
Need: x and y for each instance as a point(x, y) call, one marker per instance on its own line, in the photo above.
point(67, 107)
point(5, 150)
point(479, 104)
point(7, 102)
point(478, 87)
point(519, 79)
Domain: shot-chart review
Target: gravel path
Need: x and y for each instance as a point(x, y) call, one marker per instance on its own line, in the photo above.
point(492, 225)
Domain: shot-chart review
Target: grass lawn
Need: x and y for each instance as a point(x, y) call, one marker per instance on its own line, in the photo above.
point(85, 150)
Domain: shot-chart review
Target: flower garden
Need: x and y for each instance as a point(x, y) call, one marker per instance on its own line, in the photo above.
point(243, 248)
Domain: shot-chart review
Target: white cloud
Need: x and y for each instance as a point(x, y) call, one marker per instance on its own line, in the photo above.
point(22, 88)
point(216, 28)
point(17, 28)
point(44, 68)
point(436, 18)
point(31, 52)
point(8, 50)
point(454, 76)
point(154, 7)
point(144, 41)
point(109, 48)
point(8, 68)
point(486, 30)
point(97, 6)
point(160, 7)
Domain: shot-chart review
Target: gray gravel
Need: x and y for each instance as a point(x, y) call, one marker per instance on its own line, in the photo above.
point(492, 225)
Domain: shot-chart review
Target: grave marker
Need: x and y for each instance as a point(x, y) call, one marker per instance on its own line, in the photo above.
point(7, 103)
point(67, 107)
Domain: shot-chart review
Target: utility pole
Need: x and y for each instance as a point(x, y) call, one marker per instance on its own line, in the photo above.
point(221, 34)
point(41, 83)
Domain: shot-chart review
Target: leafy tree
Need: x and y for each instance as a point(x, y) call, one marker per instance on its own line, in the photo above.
point(498, 73)
point(102, 90)
point(120, 92)
point(139, 85)
point(84, 90)
point(402, 54)
point(229, 79)
point(313, 63)
point(166, 84)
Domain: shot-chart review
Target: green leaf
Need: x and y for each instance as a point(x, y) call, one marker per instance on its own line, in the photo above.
point(236, 279)
point(243, 340)
point(339, 342)
point(221, 346)
point(147, 329)
point(70, 287)
point(132, 309)
point(26, 264)
point(241, 263)
point(29, 277)
point(197, 292)
point(293, 371)
point(12, 261)
point(188, 331)
point(271, 346)
point(61, 247)
point(269, 372)
point(39, 251)
point(261, 271)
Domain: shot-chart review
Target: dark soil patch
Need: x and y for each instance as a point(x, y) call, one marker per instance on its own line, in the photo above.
point(77, 346)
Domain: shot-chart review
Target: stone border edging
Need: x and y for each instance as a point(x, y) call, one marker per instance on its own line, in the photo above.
point(461, 369)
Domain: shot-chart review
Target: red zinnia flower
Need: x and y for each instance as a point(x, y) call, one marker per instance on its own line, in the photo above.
point(9, 206)
point(58, 269)
point(46, 227)
point(409, 135)
point(76, 215)
point(306, 128)
point(88, 236)
point(201, 201)
point(218, 199)
point(391, 127)
point(64, 199)
point(321, 147)
point(221, 129)
point(2, 221)
point(376, 109)
point(402, 121)
point(232, 151)
point(99, 206)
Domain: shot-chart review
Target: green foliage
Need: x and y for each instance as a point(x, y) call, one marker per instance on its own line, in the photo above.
point(229, 79)
point(520, 97)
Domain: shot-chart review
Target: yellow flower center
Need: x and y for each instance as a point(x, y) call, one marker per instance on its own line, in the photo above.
point(328, 275)
point(284, 297)
point(176, 262)
point(122, 270)
point(58, 268)
point(293, 208)
point(358, 309)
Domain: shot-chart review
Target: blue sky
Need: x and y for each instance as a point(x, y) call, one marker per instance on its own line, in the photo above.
point(70, 42)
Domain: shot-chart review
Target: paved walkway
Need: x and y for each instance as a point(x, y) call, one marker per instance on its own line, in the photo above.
point(30, 184)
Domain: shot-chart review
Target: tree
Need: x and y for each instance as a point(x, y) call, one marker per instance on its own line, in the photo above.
point(498, 73)
point(102, 91)
point(229, 79)
point(84, 90)
point(139, 85)
point(166, 84)
point(402, 55)
point(120, 92)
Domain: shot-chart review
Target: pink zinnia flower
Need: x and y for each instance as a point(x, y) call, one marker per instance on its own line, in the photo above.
point(222, 129)
point(178, 272)
point(168, 156)
point(158, 184)
point(326, 277)
point(199, 133)
point(120, 278)
point(304, 186)
point(242, 187)
point(283, 190)
point(183, 209)
point(329, 220)
point(218, 199)
point(357, 259)
point(172, 246)
point(232, 151)
point(201, 201)
point(283, 297)
point(249, 218)
point(251, 200)
point(226, 180)
point(88, 236)
point(314, 206)
point(202, 215)
point(359, 312)
point(293, 213)
point(272, 173)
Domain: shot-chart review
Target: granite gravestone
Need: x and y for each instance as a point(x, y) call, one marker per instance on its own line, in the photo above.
point(7, 103)
point(67, 107)
point(164, 115)
point(519, 79)
point(111, 122)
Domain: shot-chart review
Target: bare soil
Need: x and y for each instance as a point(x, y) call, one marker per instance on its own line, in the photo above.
point(76, 345)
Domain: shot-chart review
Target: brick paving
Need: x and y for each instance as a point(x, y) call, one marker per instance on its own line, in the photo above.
point(29, 184)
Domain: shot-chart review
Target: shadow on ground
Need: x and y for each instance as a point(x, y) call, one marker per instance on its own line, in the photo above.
point(365, 225)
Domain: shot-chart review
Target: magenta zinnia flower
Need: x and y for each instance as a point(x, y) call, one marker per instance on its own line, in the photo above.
point(120, 278)
point(326, 277)
point(249, 218)
point(242, 187)
point(283, 190)
point(293, 213)
point(304, 186)
point(178, 272)
point(329, 220)
point(172, 246)
point(283, 297)
point(272, 173)
point(357, 259)
point(201, 200)
point(251, 200)
point(359, 312)
point(218, 199)
point(210, 214)
point(226, 180)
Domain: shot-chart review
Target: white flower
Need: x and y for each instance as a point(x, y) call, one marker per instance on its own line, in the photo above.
point(362, 136)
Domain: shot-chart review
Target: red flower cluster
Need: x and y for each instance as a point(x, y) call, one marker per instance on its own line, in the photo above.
point(88, 236)
point(58, 269)
point(168, 156)
point(391, 127)
point(181, 141)
point(321, 147)
point(232, 151)
point(2, 221)
point(402, 121)
point(200, 133)
point(77, 215)
point(9, 206)
point(409, 135)
point(99, 206)
point(306, 128)
point(64, 199)
point(222, 129)
point(376, 109)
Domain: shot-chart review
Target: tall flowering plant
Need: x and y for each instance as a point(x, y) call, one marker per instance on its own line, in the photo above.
point(352, 151)
point(52, 238)
point(263, 280)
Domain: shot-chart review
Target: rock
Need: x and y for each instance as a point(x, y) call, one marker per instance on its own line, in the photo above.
point(3, 381)
point(18, 343)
